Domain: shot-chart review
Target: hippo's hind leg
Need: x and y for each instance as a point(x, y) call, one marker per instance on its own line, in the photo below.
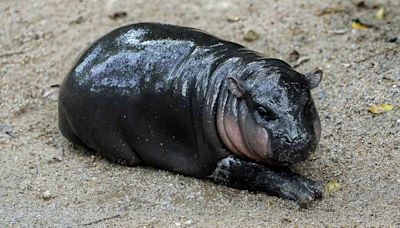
point(66, 130)
point(241, 174)
point(115, 148)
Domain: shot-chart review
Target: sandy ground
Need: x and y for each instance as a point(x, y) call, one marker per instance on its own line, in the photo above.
point(46, 181)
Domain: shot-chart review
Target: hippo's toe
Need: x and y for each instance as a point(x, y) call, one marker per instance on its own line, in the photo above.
point(302, 190)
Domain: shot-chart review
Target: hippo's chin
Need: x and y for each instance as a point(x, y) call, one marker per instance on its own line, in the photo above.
point(260, 143)
point(252, 142)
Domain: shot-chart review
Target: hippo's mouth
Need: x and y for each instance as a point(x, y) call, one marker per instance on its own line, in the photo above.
point(241, 135)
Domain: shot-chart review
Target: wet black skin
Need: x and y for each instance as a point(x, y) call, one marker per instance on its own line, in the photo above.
point(148, 94)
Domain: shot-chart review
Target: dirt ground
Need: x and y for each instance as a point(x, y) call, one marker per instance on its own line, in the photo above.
point(46, 181)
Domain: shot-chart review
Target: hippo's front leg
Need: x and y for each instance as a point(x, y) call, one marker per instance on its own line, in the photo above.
point(240, 174)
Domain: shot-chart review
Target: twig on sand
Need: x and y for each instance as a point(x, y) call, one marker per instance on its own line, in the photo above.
point(11, 54)
point(102, 219)
point(376, 54)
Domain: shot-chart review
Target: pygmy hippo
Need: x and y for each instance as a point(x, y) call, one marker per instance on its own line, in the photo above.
point(182, 100)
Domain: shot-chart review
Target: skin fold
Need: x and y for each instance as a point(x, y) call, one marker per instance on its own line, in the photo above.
point(182, 100)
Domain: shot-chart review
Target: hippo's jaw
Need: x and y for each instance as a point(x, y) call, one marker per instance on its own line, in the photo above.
point(317, 130)
point(240, 134)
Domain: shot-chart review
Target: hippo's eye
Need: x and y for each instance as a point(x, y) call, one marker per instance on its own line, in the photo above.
point(266, 114)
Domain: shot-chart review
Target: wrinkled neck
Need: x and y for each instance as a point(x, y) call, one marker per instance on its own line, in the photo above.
point(232, 128)
point(236, 125)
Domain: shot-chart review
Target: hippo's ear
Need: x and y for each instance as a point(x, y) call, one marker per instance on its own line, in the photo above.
point(235, 86)
point(313, 78)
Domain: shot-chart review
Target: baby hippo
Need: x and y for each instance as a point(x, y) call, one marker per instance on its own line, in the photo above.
point(182, 100)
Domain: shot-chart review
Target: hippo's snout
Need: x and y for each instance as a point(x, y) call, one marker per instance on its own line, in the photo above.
point(297, 152)
point(290, 149)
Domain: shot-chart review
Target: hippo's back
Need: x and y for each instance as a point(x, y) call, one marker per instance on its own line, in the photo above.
point(139, 57)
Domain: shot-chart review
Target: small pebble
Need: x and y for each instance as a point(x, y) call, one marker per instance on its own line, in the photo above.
point(393, 40)
point(322, 95)
point(46, 195)
point(57, 159)
point(347, 65)
point(78, 20)
point(233, 19)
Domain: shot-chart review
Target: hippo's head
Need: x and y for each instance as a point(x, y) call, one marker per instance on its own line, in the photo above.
point(271, 117)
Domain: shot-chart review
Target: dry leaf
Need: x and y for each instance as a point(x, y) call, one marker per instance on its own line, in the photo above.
point(293, 56)
point(379, 108)
point(250, 36)
point(357, 24)
point(301, 60)
point(380, 14)
point(332, 186)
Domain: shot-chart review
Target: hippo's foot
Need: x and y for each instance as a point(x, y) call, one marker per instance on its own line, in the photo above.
point(241, 174)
